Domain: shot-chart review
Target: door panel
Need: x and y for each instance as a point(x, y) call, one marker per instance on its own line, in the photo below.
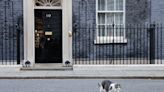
point(48, 36)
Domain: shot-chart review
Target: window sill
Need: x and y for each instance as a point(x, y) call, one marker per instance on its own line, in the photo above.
point(106, 40)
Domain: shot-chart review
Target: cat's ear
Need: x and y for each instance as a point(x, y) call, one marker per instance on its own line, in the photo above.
point(117, 86)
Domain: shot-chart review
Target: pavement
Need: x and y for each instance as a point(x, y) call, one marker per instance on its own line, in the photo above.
point(83, 71)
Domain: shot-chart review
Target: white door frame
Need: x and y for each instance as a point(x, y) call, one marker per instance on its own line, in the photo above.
point(29, 33)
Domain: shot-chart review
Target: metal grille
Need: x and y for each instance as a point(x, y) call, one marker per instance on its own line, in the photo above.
point(11, 38)
point(142, 44)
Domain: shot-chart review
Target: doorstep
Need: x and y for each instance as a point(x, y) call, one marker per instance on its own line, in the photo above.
point(142, 67)
point(48, 66)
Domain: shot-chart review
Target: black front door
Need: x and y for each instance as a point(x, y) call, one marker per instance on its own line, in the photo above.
point(48, 36)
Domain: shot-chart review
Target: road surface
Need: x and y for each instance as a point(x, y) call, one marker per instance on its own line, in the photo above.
point(78, 85)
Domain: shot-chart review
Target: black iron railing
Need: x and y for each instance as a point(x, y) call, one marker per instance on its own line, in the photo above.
point(11, 35)
point(11, 46)
point(133, 44)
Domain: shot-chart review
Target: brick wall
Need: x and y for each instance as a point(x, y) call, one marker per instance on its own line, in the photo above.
point(84, 16)
point(11, 14)
point(157, 14)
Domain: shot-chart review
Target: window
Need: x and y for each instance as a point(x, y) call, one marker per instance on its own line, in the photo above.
point(49, 3)
point(110, 20)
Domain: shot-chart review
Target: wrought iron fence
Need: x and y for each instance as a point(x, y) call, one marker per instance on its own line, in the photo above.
point(11, 35)
point(11, 46)
point(133, 44)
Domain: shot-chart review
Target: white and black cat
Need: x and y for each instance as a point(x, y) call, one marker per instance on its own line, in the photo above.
point(109, 86)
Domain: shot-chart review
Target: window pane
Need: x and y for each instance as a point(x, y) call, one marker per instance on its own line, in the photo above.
point(101, 30)
point(119, 30)
point(101, 18)
point(101, 5)
point(119, 4)
point(118, 18)
point(110, 5)
point(110, 30)
point(110, 18)
point(48, 3)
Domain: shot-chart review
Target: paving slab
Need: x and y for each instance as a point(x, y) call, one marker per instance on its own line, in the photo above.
point(83, 72)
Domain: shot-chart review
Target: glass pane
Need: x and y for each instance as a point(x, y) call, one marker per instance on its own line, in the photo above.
point(110, 18)
point(48, 3)
point(101, 18)
point(101, 5)
point(118, 18)
point(110, 5)
point(101, 30)
point(110, 30)
point(119, 4)
point(119, 30)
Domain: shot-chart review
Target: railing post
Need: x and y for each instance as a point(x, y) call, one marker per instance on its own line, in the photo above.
point(152, 43)
point(113, 29)
point(18, 44)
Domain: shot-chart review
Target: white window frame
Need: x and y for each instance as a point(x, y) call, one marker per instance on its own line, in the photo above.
point(110, 39)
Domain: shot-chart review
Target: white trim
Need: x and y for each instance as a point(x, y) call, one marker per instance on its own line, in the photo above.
point(29, 41)
point(124, 18)
point(48, 3)
point(67, 28)
point(45, 7)
point(110, 11)
point(105, 40)
point(96, 17)
point(29, 49)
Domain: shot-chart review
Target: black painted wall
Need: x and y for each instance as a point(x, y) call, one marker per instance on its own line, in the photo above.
point(11, 13)
point(137, 12)
point(138, 17)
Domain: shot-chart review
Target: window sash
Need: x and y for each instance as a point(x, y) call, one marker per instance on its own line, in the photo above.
point(110, 5)
point(110, 18)
point(117, 12)
point(110, 30)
